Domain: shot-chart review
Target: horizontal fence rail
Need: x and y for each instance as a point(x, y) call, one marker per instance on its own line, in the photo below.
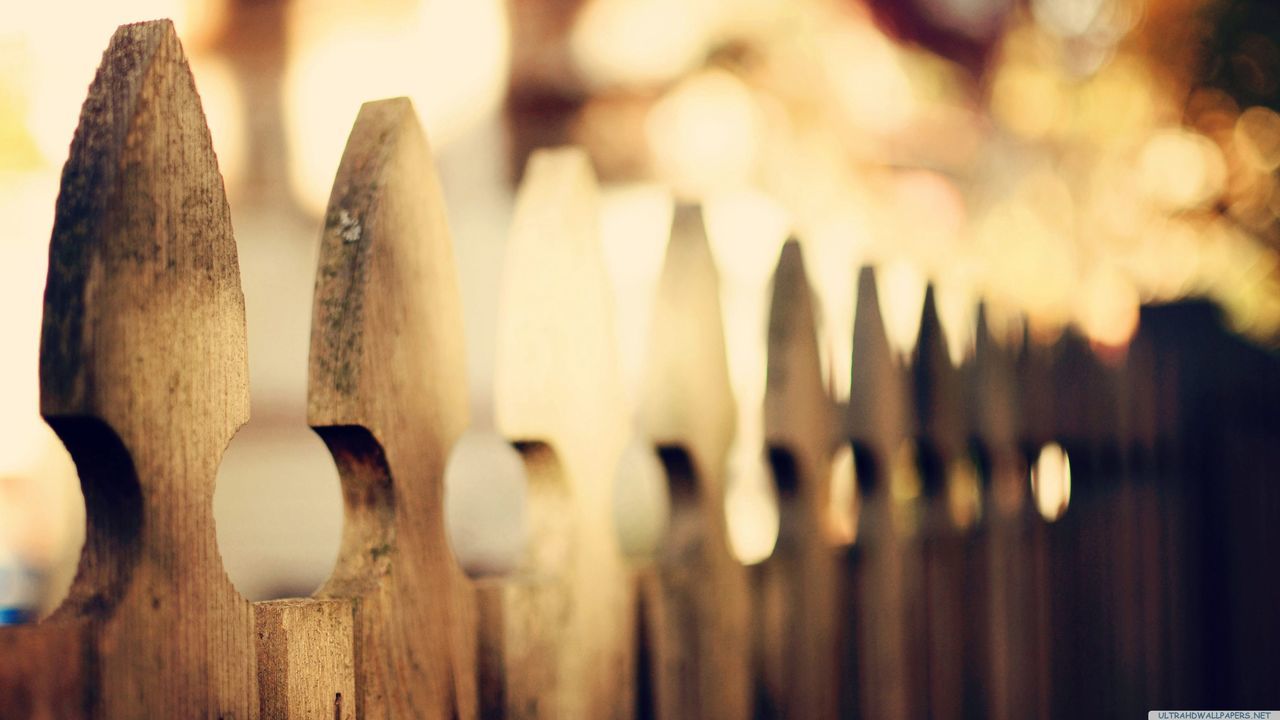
point(968, 593)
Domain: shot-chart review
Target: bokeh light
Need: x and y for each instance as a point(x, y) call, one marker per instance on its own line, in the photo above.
point(1051, 481)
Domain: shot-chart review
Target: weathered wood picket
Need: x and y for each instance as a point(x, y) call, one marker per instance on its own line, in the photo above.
point(1156, 588)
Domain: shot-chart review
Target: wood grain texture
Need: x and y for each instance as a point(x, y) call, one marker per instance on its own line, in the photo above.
point(46, 671)
point(703, 637)
point(796, 592)
point(387, 394)
point(306, 659)
point(558, 384)
point(143, 374)
point(875, 598)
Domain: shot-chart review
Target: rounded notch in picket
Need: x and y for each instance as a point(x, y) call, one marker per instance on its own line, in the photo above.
point(387, 393)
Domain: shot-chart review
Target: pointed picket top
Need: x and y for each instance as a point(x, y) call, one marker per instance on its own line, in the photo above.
point(387, 393)
point(697, 591)
point(1076, 391)
point(687, 399)
point(797, 409)
point(558, 383)
point(878, 426)
point(142, 254)
point(990, 403)
point(557, 367)
point(937, 393)
point(143, 374)
point(877, 412)
point(1035, 394)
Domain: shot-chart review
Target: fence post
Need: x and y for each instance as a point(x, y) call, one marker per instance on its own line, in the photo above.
point(306, 659)
point(1141, 443)
point(143, 375)
point(696, 596)
point(948, 581)
point(558, 393)
point(795, 587)
point(876, 656)
point(387, 394)
point(1084, 660)
point(1007, 517)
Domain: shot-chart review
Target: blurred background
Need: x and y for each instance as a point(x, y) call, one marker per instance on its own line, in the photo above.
point(1066, 160)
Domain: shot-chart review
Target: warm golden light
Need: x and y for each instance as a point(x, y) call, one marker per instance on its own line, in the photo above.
point(964, 494)
point(751, 505)
point(958, 315)
point(224, 111)
point(1051, 481)
point(746, 229)
point(1028, 100)
point(869, 82)
point(1181, 169)
point(703, 135)
point(1257, 138)
point(624, 42)
point(905, 488)
point(1108, 307)
point(635, 222)
point(901, 288)
point(844, 501)
point(449, 56)
point(1067, 18)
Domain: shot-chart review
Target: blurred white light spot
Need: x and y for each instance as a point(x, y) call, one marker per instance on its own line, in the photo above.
point(1257, 137)
point(751, 506)
point(901, 289)
point(746, 229)
point(1066, 18)
point(1108, 309)
point(449, 56)
point(485, 488)
point(1051, 481)
point(1181, 169)
point(642, 504)
point(842, 510)
point(630, 42)
point(870, 84)
point(703, 134)
point(635, 223)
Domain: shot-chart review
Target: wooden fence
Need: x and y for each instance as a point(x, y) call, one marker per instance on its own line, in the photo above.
point(1157, 587)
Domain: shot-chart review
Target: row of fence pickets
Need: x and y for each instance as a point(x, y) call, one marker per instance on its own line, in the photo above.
point(1155, 588)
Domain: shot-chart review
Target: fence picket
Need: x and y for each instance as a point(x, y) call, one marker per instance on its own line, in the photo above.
point(558, 391)
point(387, 395)
point(968, 592)
point(697, 594)
point(143, 376)
point(877, 628)
point(796, 587)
